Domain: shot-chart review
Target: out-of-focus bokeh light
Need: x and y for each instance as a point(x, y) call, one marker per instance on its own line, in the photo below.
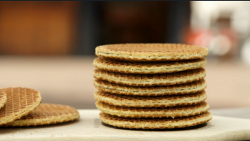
point(223, 24)
point(37, 28)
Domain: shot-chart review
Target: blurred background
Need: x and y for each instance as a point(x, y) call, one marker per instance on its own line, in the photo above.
point(49, 46)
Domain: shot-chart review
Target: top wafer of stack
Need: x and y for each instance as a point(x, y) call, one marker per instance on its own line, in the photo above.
point(151, 86)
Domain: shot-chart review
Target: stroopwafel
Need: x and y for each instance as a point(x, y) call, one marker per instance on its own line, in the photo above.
point(46, 114)
point(192, 87)
point(150, 101)
point(3, 98)
point(151, 52)
point(20, 101)
point(148, 67)
point(151, 79)
point(153, 112)
point(155, 123)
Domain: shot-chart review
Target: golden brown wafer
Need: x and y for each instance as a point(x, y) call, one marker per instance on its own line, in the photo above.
point(150, 101)
point(147, 67)
point(20, 101)
point(151, 52)
point(153, 112)
point(155, 123)
point(151, 79)
point(187, 88)
point(46, 114)
point(3, 98)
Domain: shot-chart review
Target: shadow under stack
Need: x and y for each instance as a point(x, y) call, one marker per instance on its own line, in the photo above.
point(151, 86)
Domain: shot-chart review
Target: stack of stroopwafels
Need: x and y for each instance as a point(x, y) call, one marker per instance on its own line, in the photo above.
point(151, 86)
point(21, 107)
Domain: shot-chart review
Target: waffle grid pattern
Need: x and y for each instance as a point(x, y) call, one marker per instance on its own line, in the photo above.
point(47, 114)
point(3, 98)
point(153, 112)
point(151, 91)
point(151, 86)
point(151, 79)
point(150, 101)
point(20, 101)
point(151, 52)
point(147, 67)
point(155, 123)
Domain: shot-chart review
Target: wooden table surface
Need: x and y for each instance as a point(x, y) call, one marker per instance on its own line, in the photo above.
point(69, 80)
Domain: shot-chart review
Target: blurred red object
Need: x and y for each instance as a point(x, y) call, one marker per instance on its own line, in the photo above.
point(200, 37)
point(221, 40)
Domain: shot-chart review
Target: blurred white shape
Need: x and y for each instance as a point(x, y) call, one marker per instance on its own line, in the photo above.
point(245, 51)
point(241, 20)
point(220, 45)
point(200, 15)
point(205, 12)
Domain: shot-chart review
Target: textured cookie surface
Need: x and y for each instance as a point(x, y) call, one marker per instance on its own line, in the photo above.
point(155, 123)
point(154, 112)
point(147, 67)
point(20, 101)
point(151, 52)
point(47, 114)
point(3, 98)
point(150, 91)
point(151, 79)
point(150, 101)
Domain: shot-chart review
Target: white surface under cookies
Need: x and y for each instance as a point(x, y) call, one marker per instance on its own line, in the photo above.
point(89, 127)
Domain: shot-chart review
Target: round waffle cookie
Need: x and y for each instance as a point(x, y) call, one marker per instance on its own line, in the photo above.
point(147, 67)
point(151, 91)
point(151, 52)
point(47, 114)
point(153, 112)
point(20, 101)
point(155, 123)
point(150, 101)
point(3, 98)
point(151, 79)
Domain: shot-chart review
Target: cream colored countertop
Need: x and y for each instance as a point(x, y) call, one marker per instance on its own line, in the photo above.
point(90, 128)
point(69, 80)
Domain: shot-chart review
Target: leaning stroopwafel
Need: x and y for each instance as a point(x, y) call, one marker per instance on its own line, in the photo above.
point(46, 114)
point(20, 101)
point(3, 98)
